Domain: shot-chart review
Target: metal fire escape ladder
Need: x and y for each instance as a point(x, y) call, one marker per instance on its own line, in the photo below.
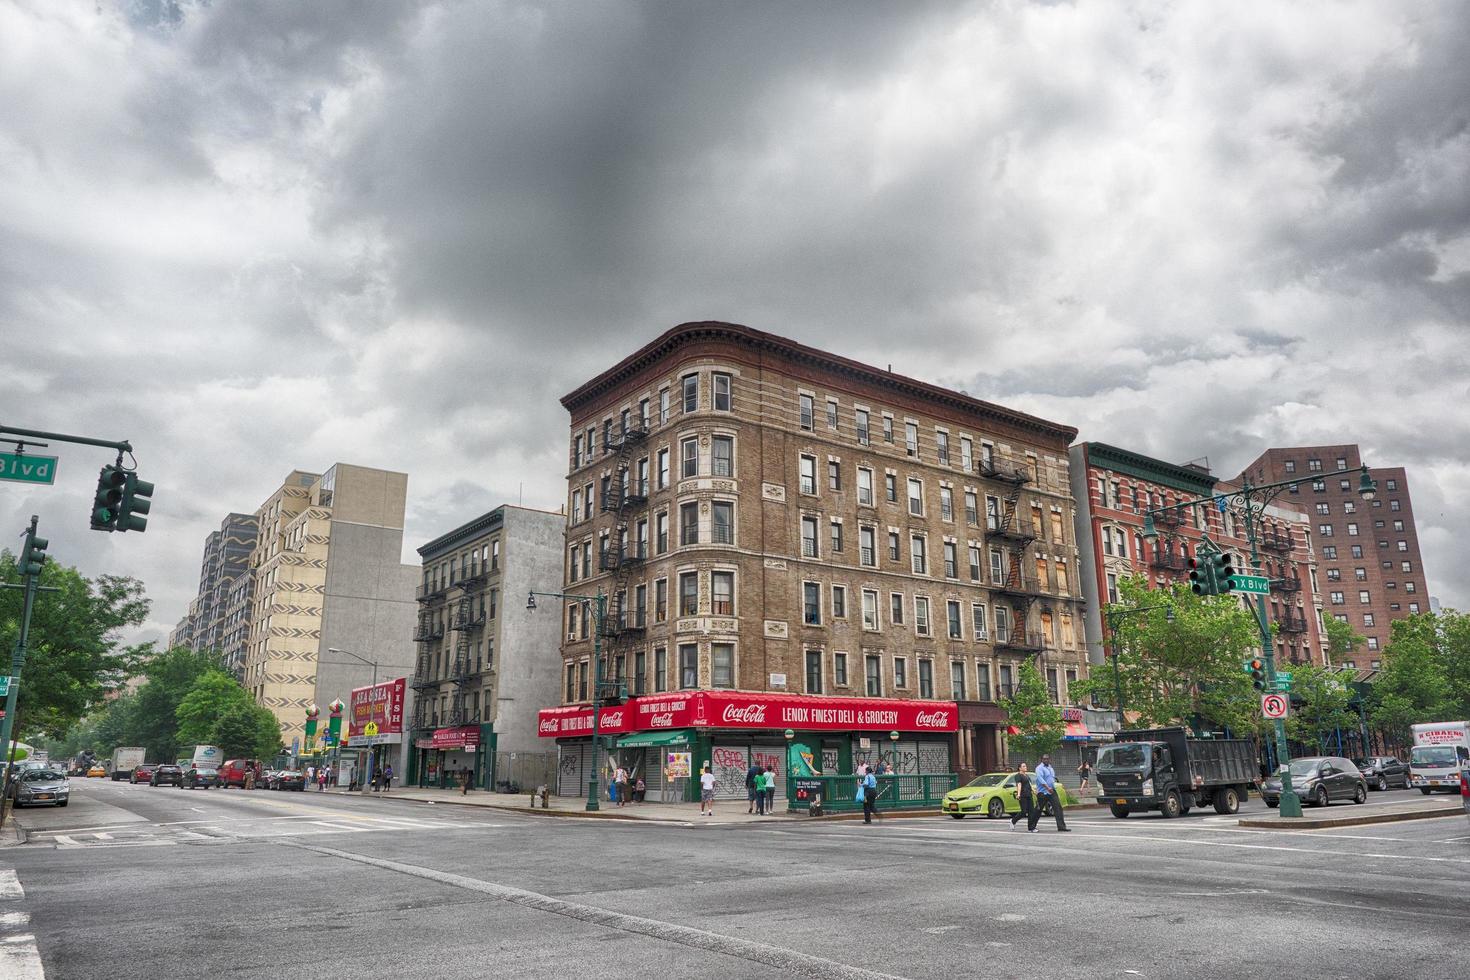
point(630, 498)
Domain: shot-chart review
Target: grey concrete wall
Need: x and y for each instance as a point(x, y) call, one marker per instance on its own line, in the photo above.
point(1092, 592)
point(369, 609)
point(528, 648)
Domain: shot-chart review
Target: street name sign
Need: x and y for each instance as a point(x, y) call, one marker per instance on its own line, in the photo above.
point(4, 686)
point(20, 468)
point(1274, 705)
point(1254, 584)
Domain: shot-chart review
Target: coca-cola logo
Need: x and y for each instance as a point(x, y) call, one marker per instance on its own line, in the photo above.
point(612, 719)
point(931, 719)
point(548, 726)
point(751, 714)
point(662, 721)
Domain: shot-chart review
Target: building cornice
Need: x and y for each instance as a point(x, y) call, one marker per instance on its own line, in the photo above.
point(768, 343)
point(444, 542)
point(1182, 478)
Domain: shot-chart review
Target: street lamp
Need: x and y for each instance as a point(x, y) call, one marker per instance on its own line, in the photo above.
point(1113, 614)
point(1253, 501)
point(372, 750)
point(599, 602)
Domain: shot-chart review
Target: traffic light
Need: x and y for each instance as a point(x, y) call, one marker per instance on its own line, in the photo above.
point(109, 498)
point(1224, 568)
point(1257, 669)
point(135, 501)
point(33, 554)
point(1200, 580)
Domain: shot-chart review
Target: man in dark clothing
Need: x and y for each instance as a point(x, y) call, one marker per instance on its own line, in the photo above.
point(751, 793)
point(870, 797)
point(1023, 797)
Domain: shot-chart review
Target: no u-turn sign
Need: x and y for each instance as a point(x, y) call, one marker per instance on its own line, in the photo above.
point(1274, 705)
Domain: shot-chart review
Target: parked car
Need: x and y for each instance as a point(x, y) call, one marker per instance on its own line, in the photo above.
point(1383, 771)
point(166, 774)
point(1319, 780)
point(993, 794)
point(288, 779)
point(96, 772)
point(37, 787)
point(142, 774)
point(234, 771)
point(198, 776)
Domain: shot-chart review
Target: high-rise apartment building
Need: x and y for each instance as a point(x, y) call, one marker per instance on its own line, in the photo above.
point(792, 539)
point(1367, 551)
point(333, 604)
point(486, 663)
point(223, 574)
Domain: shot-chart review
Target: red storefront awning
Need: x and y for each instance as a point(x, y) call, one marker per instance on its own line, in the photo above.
point(739, 709)
point(1076, 732)
point(464, 737)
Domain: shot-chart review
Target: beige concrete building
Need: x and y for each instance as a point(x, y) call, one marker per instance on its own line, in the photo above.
point(328, 574)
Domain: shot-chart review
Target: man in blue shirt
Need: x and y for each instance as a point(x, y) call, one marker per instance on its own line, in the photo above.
point(1046, 795)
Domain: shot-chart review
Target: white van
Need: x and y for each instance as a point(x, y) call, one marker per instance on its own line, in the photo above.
point(1441, 752)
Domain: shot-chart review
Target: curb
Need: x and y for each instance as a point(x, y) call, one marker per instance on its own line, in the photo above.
point(13, 829)
point(1319, 823)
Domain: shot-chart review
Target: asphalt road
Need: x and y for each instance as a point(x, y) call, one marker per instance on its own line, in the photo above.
point(136, 882)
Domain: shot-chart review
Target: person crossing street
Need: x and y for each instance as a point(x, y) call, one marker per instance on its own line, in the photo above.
point(1046, 795)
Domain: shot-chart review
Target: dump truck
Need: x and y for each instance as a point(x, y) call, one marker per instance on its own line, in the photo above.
point(1164, 769)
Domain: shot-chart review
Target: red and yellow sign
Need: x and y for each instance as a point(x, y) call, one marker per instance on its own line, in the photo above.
point(381, 705)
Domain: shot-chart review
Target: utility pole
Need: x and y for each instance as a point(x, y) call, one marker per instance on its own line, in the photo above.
point(33, 556)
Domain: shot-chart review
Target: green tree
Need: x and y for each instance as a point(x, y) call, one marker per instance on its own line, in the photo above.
point(1426, 672)
point(1323, 708)
point(246, 730)
point(1172, 672)
point(171, 676)
point(1038, 722)
point(1342, 639)
point(213, 694)
point(75, 656)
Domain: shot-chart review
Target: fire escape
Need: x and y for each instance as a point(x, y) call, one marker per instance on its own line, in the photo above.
point(469, 619)
point(1012, 531)
point(424, 683)
point(626, 499)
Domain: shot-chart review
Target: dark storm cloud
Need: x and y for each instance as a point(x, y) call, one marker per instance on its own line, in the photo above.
point(395, 234)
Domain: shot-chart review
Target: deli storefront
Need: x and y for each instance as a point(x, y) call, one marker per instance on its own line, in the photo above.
point(442, 756)
point(666, 738)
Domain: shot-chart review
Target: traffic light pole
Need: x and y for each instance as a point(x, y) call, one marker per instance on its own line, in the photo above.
point(30, 581)
point(122, 447)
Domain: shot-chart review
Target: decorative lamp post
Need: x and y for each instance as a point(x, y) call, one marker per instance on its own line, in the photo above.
point(599, 687)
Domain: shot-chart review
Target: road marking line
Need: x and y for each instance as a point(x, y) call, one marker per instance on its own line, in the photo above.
point(787, 960)
point(103, 836)
point(20, 959)
point(346, 828)
point(14, 918)
point(64, 839)
point(10, 885)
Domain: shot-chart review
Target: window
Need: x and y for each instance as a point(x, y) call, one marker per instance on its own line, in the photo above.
point(1391, 484)
point(832, 414)
point(893, 549)
point(660, 669)
point(582, 681)
point(900, 672)
point(661, 532)
point(663, 406)
point(867, 547)
point(1314, 465)
point(839, 602)
point(957, 681)
point(808, 476)
point(836, 536)
point(814, 672)
point(972, 508)
point(982, 682)
point(1356, 551)
point(723, 386)
point(688, 593)
point(992, 516)
point(722, 664)
point(1403, 546)
point(974, 552)
point(1407, 566)
point(865, 487)
point(1398, 525)
point(722, 456)
point(1058, 537)
point(1413, 607)
point(1324, 530)
point(895, 608)
point(873, 667)
point(952, 616)
point(1291, 466)
point(1052, 687)
point(921, 616)
point(688, 665)
point(946, 504)
point(576, 505)
point(689, 458)
point(870, 609)
point(640, 672)
point(722, 593)
point(722, 522)
point(862, 426)
point(890, 487)
point(660, 600)
point(1342, 462)
point(809, 537)
point(1352, 530)
point(689, 523)
point(1372, 643)
point(1410, 587)
point(1368, 619)
point(916, 497)
point(1324, 508)
point(691, 392)
point(1361, 574)
point(1330, 552)
point(663, 468)
point(571, 682)
point(1348, 506)
point(1112, 588)
point(839, 669)
point(834, 475)
point(951, 560)
point(926, 678)
point(911, 438)
point(997, 567)
point(811, 603)
point(807, 411)
point(1336, 598)
point(977, 621)
point(919, 561)
point(941, 446)
point(1363, 597)
point(1334, 575)
point(1394, 505)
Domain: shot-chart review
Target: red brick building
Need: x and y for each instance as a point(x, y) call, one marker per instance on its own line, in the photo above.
point(1367, 551)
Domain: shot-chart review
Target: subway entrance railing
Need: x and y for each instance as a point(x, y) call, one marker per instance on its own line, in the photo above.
point(895, 791)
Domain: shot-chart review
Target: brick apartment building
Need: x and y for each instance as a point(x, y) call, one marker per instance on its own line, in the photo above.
point(1368, 551)
point(792, 539)
point(1115, 488)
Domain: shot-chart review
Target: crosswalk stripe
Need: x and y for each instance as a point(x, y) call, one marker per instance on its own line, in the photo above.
point(10, 884)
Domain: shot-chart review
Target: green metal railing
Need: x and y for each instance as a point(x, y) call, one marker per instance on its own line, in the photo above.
point(895, 792)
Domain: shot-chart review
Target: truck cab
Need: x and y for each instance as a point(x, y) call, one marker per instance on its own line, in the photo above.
point(1440, 754)
point(1135, 777)
point(1163, 769)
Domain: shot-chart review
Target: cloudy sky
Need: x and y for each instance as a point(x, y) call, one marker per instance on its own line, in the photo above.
point(251, 237)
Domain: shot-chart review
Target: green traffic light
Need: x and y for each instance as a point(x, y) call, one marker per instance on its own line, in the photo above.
point(109, 496)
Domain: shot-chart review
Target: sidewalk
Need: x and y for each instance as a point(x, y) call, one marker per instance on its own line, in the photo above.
point(1347, 815)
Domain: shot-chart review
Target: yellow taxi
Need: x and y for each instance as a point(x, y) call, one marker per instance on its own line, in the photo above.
point(96, 771)
point(993, 794)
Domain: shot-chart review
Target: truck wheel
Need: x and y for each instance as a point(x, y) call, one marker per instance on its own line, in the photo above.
point(1424, 790)
point(1121, 812)
point(1272, 804)
point(995, 809)
point(1227, 800)
point(1171, 807)
point(1184, 811)
point(1361, 796)
point(1321, 798)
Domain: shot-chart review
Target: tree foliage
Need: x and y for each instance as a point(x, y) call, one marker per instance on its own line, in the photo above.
point(1342, 639)
point(1038, 722)
point(1321, 705)
point(246, 730)
point(213, 694)
point(1426, 672)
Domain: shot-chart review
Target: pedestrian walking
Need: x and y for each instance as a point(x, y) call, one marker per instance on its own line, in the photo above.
point(1046, 795)
point(387, 778)
point(620, 781)
point(1023, 798)
point(1085, 771)
point(870, 797)
point(466, 782)
point(321, 780)
point(758, 787)
point(770, 788)
point(706, 792)
point(752, 790)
